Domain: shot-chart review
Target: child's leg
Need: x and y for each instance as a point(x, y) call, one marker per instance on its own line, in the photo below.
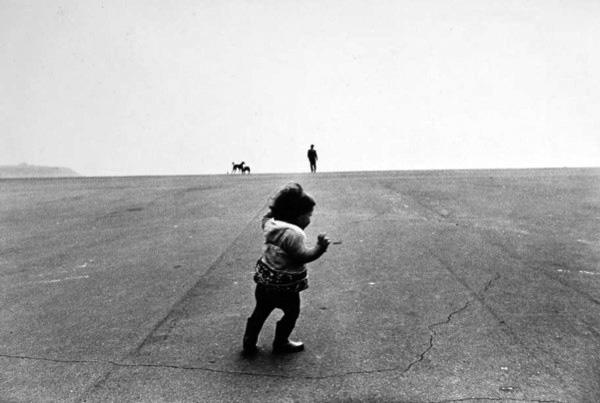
point(264, 306)
point(290, 304)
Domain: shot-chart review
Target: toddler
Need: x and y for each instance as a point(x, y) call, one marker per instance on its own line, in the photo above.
point(281, 272)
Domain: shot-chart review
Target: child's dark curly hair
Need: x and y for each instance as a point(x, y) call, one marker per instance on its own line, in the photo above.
point(290, 202)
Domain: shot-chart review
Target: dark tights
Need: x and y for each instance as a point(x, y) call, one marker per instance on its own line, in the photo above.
point(267, 301)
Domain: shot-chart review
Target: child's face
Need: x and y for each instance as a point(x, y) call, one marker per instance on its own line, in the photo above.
point(304, 220)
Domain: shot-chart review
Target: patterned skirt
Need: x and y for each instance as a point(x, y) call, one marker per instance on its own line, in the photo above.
point(278, 281)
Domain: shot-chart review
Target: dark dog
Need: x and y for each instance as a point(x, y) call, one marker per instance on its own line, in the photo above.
point(246, 170)
point(238, 167)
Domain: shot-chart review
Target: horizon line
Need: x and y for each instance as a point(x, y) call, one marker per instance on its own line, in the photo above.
point(429, 170)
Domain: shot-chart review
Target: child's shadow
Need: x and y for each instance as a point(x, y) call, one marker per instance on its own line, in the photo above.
point(267, 363)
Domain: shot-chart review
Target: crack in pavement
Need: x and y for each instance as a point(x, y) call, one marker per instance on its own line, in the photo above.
point(447, 321)
point(197, 368)
point(194, 368)
point(432, 329)
point(102, 378)
point(481, 298)
point(421, 357)
point(137, 365)
point(208, 369)
point(433, 333)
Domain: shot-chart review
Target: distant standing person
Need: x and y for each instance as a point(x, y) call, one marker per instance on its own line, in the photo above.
point(312, 158)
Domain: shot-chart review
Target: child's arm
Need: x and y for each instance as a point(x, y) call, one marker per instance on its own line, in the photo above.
point(299, 252)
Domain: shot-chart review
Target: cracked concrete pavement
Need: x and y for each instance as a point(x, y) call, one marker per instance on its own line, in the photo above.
point(456, 286)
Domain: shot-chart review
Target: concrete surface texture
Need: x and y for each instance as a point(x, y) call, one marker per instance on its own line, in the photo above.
point(456, 286)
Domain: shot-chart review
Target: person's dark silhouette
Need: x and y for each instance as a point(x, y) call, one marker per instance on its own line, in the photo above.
point(312, 158)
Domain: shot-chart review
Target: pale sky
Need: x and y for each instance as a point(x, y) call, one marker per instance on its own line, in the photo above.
point(146, 87)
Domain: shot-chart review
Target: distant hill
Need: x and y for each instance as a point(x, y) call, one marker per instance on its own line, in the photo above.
point(33, 171)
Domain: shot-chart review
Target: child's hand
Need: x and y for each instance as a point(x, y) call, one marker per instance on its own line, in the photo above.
point(323, 241)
